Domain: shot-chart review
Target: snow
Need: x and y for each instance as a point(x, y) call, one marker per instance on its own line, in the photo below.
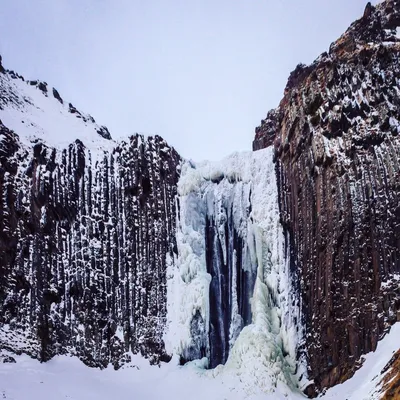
point(395, 278)
point(364, 385)
point(67, 378)
point(36, 116)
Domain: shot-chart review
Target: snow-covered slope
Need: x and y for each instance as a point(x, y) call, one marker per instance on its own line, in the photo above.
point(366, 384)
point(37, 112)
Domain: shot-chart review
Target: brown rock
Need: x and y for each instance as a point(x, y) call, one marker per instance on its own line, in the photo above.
point(391, 380)
point(338, 176)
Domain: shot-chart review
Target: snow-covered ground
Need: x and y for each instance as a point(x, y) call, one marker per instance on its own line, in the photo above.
point(67, 378)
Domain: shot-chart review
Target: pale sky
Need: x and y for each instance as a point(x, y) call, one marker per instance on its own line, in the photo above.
point(200, 73)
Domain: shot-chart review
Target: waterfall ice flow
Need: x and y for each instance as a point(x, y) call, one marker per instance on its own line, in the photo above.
point(235, 198)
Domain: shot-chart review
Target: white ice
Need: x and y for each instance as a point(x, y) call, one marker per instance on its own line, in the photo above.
point(263, 356)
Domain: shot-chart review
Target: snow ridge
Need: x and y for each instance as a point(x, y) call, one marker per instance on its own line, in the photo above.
point(35, 114)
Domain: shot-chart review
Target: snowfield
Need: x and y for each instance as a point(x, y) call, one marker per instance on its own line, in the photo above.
point(36, 116)
point(67, 378)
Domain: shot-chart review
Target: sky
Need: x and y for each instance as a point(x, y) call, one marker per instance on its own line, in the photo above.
point(200, 73)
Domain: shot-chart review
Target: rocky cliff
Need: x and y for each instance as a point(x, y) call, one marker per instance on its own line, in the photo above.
point(337, 149)
point(86, 228)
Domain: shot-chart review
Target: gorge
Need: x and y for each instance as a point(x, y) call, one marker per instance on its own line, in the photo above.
point(282, 264)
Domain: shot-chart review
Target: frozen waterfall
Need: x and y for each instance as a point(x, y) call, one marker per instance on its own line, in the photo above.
point(231, 298)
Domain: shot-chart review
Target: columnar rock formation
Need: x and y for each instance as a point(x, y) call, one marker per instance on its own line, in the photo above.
point(84, 238)
point(336, 137)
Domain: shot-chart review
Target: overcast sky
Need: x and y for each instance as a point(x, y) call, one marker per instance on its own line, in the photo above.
point(200, 73)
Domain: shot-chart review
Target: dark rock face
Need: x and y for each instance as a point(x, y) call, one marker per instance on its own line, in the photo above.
point(40, 85)
point(83, 241)
point(265, 133)
point(104, 132)
point(57, 96)
point(336, 137)
point(9, 360)
point(390, 383)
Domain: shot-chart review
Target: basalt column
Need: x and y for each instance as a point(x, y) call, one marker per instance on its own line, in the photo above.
point(337, 150)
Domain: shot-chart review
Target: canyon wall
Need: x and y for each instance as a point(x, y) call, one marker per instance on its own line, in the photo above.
point(85, 233)
point(337, 150)
point(283, 264)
